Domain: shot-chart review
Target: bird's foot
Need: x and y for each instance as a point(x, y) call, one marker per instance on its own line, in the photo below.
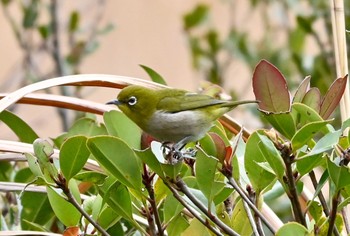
point(174, 155)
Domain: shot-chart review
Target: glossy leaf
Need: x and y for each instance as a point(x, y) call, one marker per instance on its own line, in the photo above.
point(308, 163)
point(172, 208)
point(340, 175)
point(333, 96)
point(270, 88)
point(325, 143)
point(22, 130)
point(108, 217)
point(119, 125)
point(306, 133)
point(91, 177)
point(196, 228)
point(304, 114)
point(292, 229)
point(239, 220)
point(73, 156)
point(116, 156)
point(282, 122)
point(205, 169)
point(37, 210)
point(302, 89)
point(258, 176)
point(272, 156)
point(151, 161)
point(313, 99)
point(178, 225)
point(64, 210)
point(154, 75)
point(118, 197)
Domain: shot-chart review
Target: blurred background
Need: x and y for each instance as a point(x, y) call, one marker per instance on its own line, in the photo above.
point(187, 42)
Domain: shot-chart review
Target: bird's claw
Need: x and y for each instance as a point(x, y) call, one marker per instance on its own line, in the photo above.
point(174, 155)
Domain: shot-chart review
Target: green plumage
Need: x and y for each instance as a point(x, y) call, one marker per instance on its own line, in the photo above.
point(172, 114)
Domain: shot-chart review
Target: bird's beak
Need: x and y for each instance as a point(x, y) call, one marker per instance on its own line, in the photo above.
point(114, 102)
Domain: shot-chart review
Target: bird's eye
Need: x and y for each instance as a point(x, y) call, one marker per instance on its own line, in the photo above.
point(132, 101)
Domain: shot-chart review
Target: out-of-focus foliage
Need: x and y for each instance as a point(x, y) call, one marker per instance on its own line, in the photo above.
point(296, 36)
point(54, 42)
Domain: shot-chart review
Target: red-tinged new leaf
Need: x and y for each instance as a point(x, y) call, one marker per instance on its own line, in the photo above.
point(333, 96)
point(313, 99)
point(302, 89)
point(270, 88)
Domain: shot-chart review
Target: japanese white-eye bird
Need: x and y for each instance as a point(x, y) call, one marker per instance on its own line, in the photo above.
point(172, 115)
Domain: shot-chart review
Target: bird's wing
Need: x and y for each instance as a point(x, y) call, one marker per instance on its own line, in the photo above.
point(186, 101)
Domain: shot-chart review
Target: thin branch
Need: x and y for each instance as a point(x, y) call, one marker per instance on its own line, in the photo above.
point(233, 183)
point(191, 210)
point(72, 200)
point(251, 218)
point(183, 187)
point(333, 213)
point(292, 190)
point(320, 195)
point(147, 181)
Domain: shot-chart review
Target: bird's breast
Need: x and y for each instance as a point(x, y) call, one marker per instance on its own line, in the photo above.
point(174, 127)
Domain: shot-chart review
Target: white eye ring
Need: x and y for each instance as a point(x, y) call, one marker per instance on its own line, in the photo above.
point(132, 101)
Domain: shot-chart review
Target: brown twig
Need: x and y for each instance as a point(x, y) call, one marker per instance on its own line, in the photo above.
point(191, 210)
point(147, 180)
point(333, 213)
point(183, 187)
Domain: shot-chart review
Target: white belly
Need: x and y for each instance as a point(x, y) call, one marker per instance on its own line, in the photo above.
point(173, 127)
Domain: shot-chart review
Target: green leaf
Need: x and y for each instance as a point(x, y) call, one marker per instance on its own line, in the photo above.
point(315, 210)
point(308, 163)
point(151, 161)
point(282, 122)
point(64, 210)
point(119, 125)
point(118, 197)
point(118, 158)
point(172, 208)
point(73, 156)
point(74, 21)
point(302, 89)
point(339, 175)
point(43, 151)
point(23, 131)
point(84, 126)
point(313, 99)
point(31, 13)
point(292, 229)
point(91, 177)
point(270, 88)
point(44, 31)
point(154, 75)
point(272, 156)
point(37, 210)
point(258, 176)
point(196, 228)
point(108, 217)
point(34, 165)
point(326, 143)
point(239, 220)
point(178, 225)
point(205, 169)
point(196, 17)
point(333, 96)
point(306, 133)
point(304, 114)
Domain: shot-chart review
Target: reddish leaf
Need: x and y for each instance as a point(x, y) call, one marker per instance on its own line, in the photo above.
point(313, 99)
point(219, 145)
point(71, 231)
point(332, 97)
point(270, 88)
point(302, 89)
